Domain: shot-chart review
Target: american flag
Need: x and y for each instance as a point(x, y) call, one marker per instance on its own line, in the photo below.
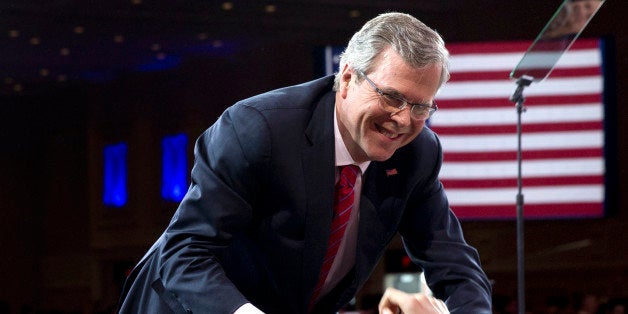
point(562, 133)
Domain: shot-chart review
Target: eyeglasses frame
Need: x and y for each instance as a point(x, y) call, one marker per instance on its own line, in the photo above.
point(404, 103)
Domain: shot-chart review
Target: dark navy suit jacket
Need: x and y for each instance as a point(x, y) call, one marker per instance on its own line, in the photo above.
point(254, 225)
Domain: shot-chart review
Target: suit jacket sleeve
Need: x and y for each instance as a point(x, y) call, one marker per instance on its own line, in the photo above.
point(217, 206)
point(434, 240)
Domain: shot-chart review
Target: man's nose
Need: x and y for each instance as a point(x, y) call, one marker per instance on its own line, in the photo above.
point(403, 116)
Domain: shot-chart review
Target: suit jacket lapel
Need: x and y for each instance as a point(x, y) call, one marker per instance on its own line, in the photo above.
point(318, 167)
point(381, 206)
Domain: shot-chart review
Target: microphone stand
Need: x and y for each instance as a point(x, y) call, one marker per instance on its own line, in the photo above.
point(518, 99)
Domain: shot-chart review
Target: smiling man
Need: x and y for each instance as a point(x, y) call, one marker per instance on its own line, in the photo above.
point(296, 193)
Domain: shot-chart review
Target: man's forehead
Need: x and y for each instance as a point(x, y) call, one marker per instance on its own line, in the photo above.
point(409, 83)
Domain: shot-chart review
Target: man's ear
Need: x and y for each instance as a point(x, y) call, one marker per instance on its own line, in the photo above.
point(345, 79)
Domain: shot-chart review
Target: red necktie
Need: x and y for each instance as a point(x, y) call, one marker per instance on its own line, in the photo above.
point(343, 204)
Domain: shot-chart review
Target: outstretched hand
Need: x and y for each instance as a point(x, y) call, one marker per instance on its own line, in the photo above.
point(396, 301)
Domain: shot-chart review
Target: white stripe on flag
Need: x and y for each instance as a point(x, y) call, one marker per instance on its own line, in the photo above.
point(571, 194)
point(529, 141)
point(508, 115)
point(505, 88)
point(534, 168)
point(484, 62)
point(507, 61)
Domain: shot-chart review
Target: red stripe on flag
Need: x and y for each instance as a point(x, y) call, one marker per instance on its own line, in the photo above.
point(511, 46)
point(576, 72)
point(585, 43)
point(527, 182)
point(475, 103)
point(458, 77)
point(530, 211)
point(483, 48)
point(564, 100)
point(526, 155)
point(444, 104)
point(526, 128)
point(479, 76)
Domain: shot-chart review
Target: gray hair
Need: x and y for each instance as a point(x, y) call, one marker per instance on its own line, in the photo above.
point(417, 44)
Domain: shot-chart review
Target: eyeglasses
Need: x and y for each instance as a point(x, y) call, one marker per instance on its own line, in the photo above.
point(393, 103)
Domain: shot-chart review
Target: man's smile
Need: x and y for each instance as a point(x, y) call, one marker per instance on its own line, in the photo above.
point(388, 133)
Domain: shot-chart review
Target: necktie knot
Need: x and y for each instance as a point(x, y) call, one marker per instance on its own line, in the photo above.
point(344, 187)
point(348, 175)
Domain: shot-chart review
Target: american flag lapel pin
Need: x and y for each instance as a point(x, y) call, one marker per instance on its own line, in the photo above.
point(391, 172)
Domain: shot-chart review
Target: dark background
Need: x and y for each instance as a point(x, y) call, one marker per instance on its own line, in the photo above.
point(67, 92)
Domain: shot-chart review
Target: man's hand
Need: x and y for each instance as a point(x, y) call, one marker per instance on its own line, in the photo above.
point(395, 301)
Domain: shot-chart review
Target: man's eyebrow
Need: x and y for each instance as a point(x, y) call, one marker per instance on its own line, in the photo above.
point(392, 91)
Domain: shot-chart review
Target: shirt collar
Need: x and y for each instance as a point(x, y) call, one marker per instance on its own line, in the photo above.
point(343, 157)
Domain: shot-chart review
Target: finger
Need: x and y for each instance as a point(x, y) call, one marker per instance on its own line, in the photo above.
point(441, 306)
point(433, 301)
point(431, 304)
point(390, 301)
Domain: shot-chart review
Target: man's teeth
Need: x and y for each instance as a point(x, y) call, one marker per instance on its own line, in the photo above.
point(389, 134)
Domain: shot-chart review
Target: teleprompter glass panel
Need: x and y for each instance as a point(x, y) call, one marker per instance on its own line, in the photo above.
point(556, 37)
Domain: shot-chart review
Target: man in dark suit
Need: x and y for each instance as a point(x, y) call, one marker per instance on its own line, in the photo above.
point(252, 234)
